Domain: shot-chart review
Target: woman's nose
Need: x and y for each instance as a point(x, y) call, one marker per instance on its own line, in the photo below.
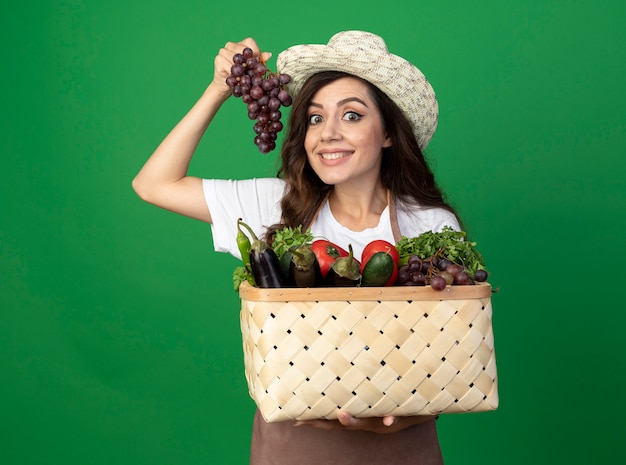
point(330, 131)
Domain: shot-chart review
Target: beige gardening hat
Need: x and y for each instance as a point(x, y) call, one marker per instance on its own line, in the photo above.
point(365, 55)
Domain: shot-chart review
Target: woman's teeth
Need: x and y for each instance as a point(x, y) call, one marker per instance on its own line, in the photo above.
point(333, 156)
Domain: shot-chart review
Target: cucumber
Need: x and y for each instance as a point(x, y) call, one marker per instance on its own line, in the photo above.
point(378, 270)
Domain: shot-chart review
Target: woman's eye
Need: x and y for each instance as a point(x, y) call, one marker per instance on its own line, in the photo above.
point(352, 116)
point(314, 119)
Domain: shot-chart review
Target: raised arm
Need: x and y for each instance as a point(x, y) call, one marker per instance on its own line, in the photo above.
point(163, 180)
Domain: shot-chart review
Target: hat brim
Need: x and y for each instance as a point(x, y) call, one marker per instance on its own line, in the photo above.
point(403, 82)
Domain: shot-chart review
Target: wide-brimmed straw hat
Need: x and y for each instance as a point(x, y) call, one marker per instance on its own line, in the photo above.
point(365, 55)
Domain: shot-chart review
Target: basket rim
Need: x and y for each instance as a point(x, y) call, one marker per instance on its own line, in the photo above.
point(291, 294)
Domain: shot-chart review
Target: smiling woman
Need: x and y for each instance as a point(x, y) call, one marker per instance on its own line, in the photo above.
point(352, 170)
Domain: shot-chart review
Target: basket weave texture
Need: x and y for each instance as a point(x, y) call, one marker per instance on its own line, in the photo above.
point(369, 351)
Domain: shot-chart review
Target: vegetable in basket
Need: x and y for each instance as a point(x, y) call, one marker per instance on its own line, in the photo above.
point(327, 253)
point(304, 267)
point(346, 271)
point(244, 246)
point(264, 262)
point(379, 264)
point(284, 242)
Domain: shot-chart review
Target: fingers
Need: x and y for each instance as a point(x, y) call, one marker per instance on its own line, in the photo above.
point(250, 42)
point(224, 59)
point(385, 425)
point(346, 419)
point(231, 48)
point(369, 424)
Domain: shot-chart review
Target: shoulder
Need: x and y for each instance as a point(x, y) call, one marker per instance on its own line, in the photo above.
point(415, 220)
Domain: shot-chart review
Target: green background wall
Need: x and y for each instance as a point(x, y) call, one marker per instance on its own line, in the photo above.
point(119, 331)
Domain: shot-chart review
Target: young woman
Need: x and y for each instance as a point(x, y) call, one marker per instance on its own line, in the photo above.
point(353, 171)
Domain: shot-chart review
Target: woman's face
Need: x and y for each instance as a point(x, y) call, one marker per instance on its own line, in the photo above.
point(345, 134)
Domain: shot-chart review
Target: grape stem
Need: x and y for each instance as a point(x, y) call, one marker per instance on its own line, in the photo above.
point(432, 270)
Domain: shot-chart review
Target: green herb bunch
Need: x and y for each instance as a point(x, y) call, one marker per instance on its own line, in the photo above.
point(289, 238)
point(448, 243)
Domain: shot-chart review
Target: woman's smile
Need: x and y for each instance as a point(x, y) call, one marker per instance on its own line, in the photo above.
point(334, 155)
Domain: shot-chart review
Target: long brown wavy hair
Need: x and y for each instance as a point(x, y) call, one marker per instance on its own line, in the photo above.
point(404, 170)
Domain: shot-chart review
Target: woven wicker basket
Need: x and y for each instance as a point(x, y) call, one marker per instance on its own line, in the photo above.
point(369, 351)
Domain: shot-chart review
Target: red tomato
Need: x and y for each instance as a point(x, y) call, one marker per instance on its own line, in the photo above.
point(381, 246)
point(326, 253)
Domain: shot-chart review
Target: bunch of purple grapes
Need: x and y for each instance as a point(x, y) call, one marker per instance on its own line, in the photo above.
point(437, 272)
point(264, 94)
